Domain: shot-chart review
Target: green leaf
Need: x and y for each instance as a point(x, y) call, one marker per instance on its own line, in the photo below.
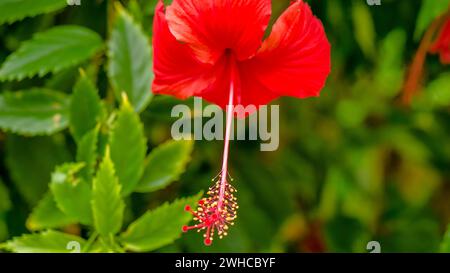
point(165, 164)
point(364, 28)
point(14, 10)
point(445, 245)
point(429, 11)
point(438, 91)
point(128, 147)
point(85, 107)
point(87, 153)
point(158, 227)
point(5, 201)
point(390, 68)
point(47, 215)
point(130, 65)
point(51, 51)
point(30, 162)
point(107, 203)
point(72, 195)
point(148, 6)
point(4, 233)
point(46, 242)
point(33, 112)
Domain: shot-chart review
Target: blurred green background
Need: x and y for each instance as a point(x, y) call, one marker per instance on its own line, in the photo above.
point(354, 165)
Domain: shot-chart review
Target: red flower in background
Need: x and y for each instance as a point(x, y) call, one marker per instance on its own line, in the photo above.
point(442, 44)
point(213, 49)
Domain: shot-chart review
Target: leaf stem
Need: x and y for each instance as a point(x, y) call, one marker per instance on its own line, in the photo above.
point(90, 241)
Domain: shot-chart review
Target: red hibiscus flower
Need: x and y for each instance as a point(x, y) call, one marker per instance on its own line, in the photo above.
point(213, 49)
point(442, 44)
point(201, 45)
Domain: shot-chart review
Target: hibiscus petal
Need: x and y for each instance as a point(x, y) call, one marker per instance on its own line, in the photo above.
point(249, 94)
point(177, 71)
point(295, 59)
point(211, 27)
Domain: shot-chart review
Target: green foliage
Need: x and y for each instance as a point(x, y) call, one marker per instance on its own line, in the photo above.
point(164, 165)
point(107, 203)
point(72, 195)
point(14, 10)
point(33, 112)
point(47, 215)
point(87, 153)
point(390, 72)
point(437, 91)
point(130, 64)
point(364, 28)
point(85, 107)
point(128, 147)
point(5, 201)
point(445, 246)
point(85, 194)
point(30, 162)
point(51, 51)
point(159, 227)
point(45, 242)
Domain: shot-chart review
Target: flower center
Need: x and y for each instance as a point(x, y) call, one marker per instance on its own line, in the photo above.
point(211, 216)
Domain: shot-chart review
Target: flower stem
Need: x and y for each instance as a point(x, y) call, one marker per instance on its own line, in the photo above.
point(416, 69)
point(229, 123)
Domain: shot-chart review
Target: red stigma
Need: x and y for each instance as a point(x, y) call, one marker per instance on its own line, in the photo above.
point(215, 213)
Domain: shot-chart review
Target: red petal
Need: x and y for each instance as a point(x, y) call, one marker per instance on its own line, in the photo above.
point(177, 71)
point(295, 58)
point(249, 91)
point(211, 27)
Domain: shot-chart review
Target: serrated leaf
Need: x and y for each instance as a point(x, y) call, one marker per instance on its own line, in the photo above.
point(107, 203)
point(429, 11)
point(46, 242)
point(33, 112)
point(164, 165)
point(5, 201)
point(51, 51)
point(47, 215)
point(30, 162)
point(130, 64)
point(87, 153)
point(128, 147)
point(14, 10)
point(85, 107)
point(72, 195)
point(159, 227)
